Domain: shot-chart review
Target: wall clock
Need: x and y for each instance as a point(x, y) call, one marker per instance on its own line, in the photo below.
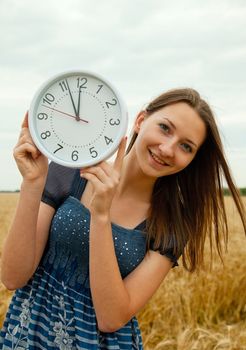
point(77, 118)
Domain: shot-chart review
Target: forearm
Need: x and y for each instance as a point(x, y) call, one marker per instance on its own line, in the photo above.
point(18, 253)
point(110, 297)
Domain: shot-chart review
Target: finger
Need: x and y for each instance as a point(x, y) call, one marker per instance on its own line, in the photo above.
point(113, 174)
point(98, 172)
point(25, 138)
point(24, 150)
point(106, 167)
point(25, 121)
point(96, 183)
point(103, 164)
point(24, 133)
point(120, 154)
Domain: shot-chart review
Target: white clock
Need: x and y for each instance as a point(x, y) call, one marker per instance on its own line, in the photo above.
point(77, 119)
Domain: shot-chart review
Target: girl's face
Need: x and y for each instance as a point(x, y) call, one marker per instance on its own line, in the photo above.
point(168, 139)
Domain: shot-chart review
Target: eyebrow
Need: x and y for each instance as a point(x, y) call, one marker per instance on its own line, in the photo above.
point(174, 127)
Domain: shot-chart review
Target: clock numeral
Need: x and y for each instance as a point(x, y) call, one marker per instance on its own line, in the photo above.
point(63, 85)
point(75, 155)
point(114, 122)
point(93, 152)
point(42, 116)
point(45, 134)
point(82, 86)
point(48, 98)
point(113, 103)
point(100, 86)
point(58, 149)
point(108, 140)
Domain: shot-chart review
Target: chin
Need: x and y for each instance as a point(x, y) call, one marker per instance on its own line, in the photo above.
point(153, 173)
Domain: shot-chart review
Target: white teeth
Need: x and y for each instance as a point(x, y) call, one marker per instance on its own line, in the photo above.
point(157, 159)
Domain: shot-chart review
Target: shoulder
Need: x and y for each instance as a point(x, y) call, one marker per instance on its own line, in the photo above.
point(166, 250)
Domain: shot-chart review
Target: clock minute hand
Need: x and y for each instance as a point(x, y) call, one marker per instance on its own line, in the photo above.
point(77, 118)
point(78, 107)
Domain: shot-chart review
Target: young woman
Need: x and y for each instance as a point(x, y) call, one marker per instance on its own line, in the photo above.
point(88, 248)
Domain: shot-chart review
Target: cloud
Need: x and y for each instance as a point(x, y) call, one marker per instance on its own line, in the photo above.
point(143, 47)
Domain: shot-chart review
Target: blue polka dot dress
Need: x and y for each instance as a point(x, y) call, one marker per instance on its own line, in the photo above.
point(55, 309)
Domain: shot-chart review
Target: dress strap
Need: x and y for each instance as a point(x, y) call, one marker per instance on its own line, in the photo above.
point(141, 226)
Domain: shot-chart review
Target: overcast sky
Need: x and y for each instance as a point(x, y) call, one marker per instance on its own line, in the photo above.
point(143, 47)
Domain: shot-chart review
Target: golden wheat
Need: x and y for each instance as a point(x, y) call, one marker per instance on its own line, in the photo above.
point(205, 311)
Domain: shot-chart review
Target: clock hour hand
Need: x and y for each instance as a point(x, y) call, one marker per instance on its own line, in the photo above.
point(77, 118)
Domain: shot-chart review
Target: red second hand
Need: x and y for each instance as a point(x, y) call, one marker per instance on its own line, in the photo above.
point(69, 115)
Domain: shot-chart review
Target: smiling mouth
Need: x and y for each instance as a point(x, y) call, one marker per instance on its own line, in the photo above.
point(157, 159)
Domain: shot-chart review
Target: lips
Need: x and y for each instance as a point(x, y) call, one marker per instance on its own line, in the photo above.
point(157, 159)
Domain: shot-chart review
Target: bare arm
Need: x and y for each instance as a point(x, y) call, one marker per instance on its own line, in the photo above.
point(26, 238)
point(28, 232)
point(115, 300)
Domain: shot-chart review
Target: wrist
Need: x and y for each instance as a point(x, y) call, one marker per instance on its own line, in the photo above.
point(102, 217)
point(36, 186)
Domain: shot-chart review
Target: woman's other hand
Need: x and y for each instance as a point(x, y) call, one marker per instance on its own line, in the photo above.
point(104, 178)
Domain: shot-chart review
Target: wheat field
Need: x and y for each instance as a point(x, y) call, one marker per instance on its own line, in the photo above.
point(205, 311)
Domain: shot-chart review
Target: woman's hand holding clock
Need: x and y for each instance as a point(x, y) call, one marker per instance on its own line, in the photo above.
point(32, 164)
point(104, 178)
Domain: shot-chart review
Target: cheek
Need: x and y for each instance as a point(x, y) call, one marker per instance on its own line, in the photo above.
point(140, 151)
point(183, 160)
point(145, 138)
point(140, 142)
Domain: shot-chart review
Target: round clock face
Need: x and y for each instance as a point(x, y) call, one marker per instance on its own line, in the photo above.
point(77, 119)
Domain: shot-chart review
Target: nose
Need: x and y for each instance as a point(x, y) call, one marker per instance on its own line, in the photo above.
point(167, 149)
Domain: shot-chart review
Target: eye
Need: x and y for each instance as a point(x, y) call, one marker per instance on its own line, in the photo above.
point(186, 147)
point(164, 127)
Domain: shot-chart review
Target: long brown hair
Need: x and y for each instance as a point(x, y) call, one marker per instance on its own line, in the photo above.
point(189, 205)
